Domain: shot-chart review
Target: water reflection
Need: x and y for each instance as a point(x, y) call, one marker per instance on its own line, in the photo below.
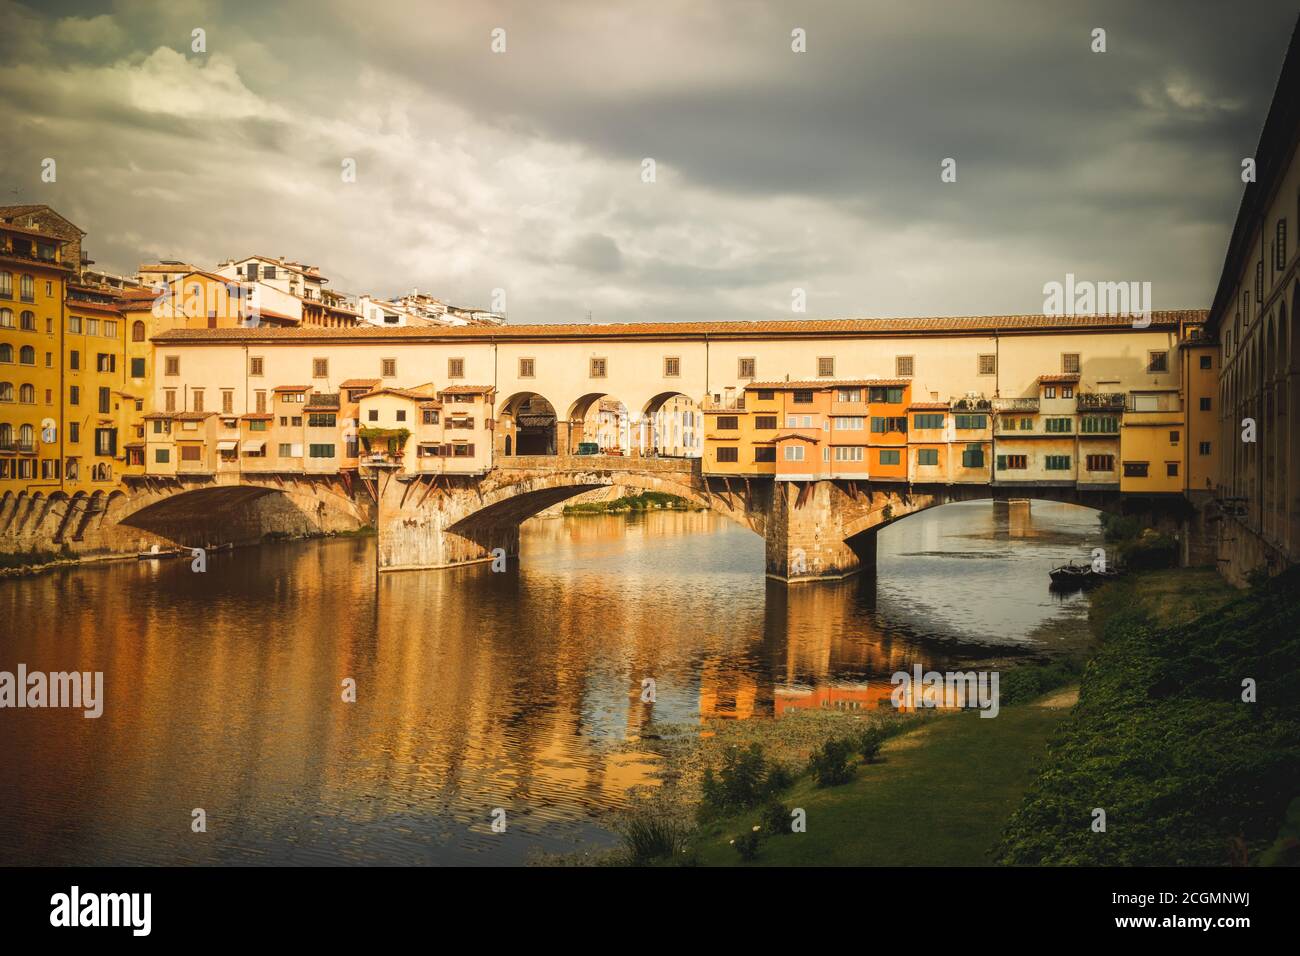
point(475, 690)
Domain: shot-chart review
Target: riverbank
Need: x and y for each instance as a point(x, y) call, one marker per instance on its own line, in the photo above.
point(24, 564)
point(1187, 732)
point(645, 501)
point(947, 787)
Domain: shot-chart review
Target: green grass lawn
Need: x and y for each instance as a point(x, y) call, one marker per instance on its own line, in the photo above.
point(941, 796)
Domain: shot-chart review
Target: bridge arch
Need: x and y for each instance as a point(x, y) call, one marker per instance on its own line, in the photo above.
point(526, 424)
point(603, 418)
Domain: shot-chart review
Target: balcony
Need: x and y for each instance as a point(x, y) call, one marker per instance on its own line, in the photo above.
point(733, 404)
point(1015, 405)
point(1100, 402)
point(971, 405)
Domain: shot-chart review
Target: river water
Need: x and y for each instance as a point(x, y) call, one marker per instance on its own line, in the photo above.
point(475, 691)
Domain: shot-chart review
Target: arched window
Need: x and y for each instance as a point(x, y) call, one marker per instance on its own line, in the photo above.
point(27, 394)
point(6, 318)
point(27, 355)
point(6, 352)
point(6, 391)
point(6, 434)
point(7, 284)
point(27, 288)
point(26, 435)
point(29, 321)
point(137, 331)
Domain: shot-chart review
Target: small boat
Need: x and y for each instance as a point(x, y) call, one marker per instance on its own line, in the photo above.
point(1081, 575)
point(228, 546)
point(156, 552)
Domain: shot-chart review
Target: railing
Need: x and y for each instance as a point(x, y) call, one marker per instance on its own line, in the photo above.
point(971, 405)
point(736, 404)
point(25, 446)
point(1100, 402)
point(1015, 404)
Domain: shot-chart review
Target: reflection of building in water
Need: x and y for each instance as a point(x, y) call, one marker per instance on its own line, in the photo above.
point(868, 695)
point(1019, 518)
point(730, 693)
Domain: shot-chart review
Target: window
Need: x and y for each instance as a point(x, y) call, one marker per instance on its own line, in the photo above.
point(92, 326)
point(928, 420)
point(745, 368)
point(1171, 469)
point(320, 368)
point(171, 365)
point(1099, 425)
point(1049, 391)
point(322, 420)
point(28, 321)
point(137, 331)
point(105, 401)
point(74, 432)
point(1070, 363)
point(765, 453)
point(26, 289)
point(987, 364)
point(849, 424)
point(803, 397)
point(672, 366)
point(401, 414)
point(1205, 404)
point(388, 368)
point(1204, 448)
point(1067, 391)
point(794, 452)
point(105, 441)
point(1157, 361)
point(527, 367)
point(1058, 462)
point(1279, 246)
point(887, 424)
point(764, 422)
point(191, 452)
point(74, 395)
point(162, 456)
point(848, 453)
point(7, 319)
point(1100, 463)
point(257, 425)
point(255, 365)
point(27, 356)
point(1135, 469)
point(1207, 361)
point(890, 456)
point(259, 400)
point(903, 365)
point(1058, 425)
point(227, 401)
point(766, 394)
point(891, 395)
point(1259, 282)
point(1012, 462)
point(105, 362)
point(729, 454)
point(6, 352)
point(728, 423)
point(972, 457)
point(110, 329)
point(970, 422)
point(320, 451)
point(927, 456)
point(849, 395)
point(6, 285)
point(197, 398)
point(597, 368)
point(372, 415)
point(825, 366)
point(27, 394)
point(137, 368)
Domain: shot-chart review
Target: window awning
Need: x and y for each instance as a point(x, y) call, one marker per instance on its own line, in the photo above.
point(228, 445)
point(253, 445)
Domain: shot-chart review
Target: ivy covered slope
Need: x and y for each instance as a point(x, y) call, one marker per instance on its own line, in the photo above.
point(1161, 740)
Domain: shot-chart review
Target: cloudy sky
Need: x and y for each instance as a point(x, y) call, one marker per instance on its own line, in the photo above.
point(774, 170)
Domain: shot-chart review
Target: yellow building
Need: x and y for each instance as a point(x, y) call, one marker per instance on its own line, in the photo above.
point(33, 281)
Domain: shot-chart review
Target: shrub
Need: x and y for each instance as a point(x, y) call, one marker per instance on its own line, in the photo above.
point(648, 838)
point(774, 819)
point(747, 845)
point(830, 765)
point(869, 743)
point(739, 784)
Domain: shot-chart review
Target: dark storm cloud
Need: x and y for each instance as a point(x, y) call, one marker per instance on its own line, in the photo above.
point(774, 169)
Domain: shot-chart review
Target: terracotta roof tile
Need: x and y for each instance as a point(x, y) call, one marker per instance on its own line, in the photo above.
point(828, 383)
point(1066, 377)
point(359, 383)
point(959, 325)
point(292, 388)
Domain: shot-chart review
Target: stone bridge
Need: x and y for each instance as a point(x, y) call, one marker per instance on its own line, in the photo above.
point(811, 530)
